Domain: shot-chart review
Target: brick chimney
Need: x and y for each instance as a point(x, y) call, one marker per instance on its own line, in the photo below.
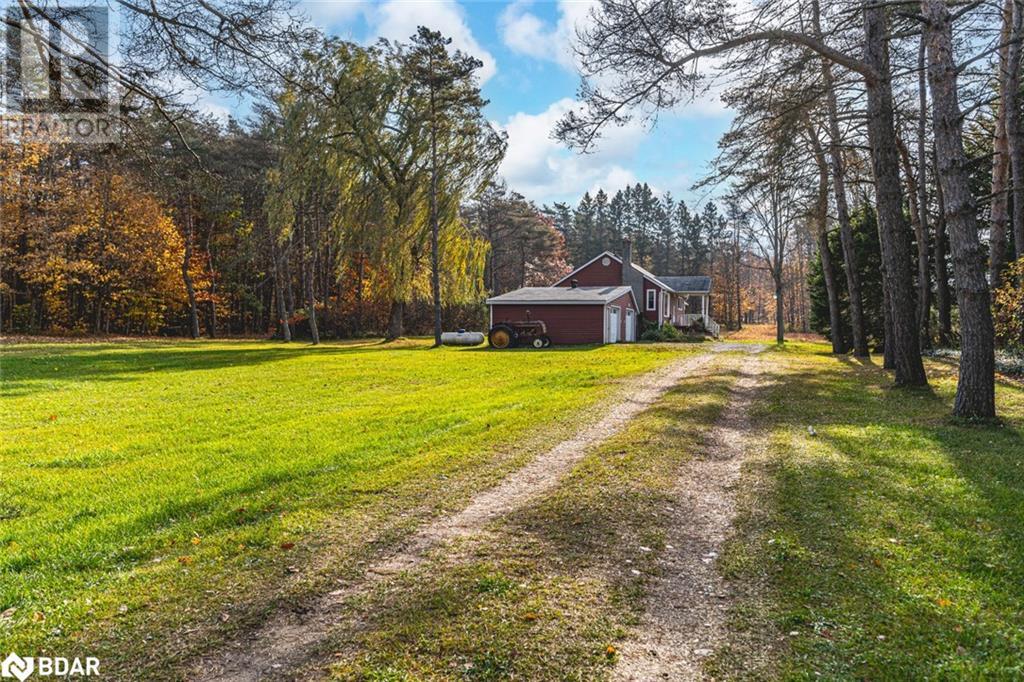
point(630, 276)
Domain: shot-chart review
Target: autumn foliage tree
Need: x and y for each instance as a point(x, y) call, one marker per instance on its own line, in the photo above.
point(86, 249)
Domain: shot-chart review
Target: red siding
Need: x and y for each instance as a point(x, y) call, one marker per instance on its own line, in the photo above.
point(651, 315)
point(566, 323)
point(597, 275)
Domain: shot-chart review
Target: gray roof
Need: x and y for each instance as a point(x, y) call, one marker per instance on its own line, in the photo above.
point(552, 295)
point(695, 284)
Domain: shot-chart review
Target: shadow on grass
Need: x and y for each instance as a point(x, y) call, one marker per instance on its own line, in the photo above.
point(22, 373)
point(893, 539)
point(611, 497)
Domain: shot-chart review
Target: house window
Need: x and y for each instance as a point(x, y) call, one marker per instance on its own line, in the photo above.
point(652, 300)
point(665, 303)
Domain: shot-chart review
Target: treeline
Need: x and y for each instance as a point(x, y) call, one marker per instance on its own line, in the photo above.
point(360, 200)
point(669, 238)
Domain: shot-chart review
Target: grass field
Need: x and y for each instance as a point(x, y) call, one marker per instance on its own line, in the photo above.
point(156, 498)
point(890, 545)
point(151, 485)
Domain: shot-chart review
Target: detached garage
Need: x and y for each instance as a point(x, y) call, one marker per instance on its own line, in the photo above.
point(570, 315)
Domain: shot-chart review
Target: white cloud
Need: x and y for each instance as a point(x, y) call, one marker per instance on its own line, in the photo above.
point(542, 169)
point(329, 14)
point(525, 33)
point(400, 19)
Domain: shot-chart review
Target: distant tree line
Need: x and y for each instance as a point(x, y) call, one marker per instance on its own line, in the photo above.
point(667, 237)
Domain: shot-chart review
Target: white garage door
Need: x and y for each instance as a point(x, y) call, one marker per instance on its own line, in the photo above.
point(613, 325)
point(630, 325)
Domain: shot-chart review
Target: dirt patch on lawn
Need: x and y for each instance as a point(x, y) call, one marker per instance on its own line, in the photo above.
point(766, 332)
point(287, 642)
point(685, 611)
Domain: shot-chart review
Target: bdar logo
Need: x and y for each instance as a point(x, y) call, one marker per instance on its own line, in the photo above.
point(16, 666)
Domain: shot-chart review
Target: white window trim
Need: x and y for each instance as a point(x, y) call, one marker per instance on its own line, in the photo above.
point(652, 299)
point(665, 303)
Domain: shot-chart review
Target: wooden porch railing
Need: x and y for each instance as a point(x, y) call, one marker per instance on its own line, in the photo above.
point(709, 324)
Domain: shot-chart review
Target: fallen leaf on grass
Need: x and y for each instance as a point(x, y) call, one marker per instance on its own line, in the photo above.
point(287, 545)
point(943, 602)
point(530, 616)
point(38, 616)
point(7, 614)
point(610, 651)
point(185, 560)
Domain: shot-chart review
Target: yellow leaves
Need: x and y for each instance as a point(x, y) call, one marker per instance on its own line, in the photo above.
point(942, 602)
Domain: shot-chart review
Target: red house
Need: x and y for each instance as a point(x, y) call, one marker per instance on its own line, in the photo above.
point(601, 301)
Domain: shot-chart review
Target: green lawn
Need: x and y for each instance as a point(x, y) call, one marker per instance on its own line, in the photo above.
point(156, 498)
point(158, 487)
point(550, 590)
point(888, 546)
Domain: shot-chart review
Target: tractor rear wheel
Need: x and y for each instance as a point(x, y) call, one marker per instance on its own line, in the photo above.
point(547, 340)
point(501, 336)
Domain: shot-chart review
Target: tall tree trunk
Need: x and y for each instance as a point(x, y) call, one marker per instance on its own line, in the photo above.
point(888, 357)
point(739, 286)
point(282, 314)
point(924, 288)
point(975, 390)
point(97, 323)
point(894, 237)
point(435, 257)
point(821, 228)
point(211, 330)
point(289, 294)
point(858, 330)
point(1015, 123)
point(924, 314)
point(186, 275)
point(943, 299)
point(396, 321)
point(1000, 207)
point(780, 318)
point(307, 283)
point(360, 273)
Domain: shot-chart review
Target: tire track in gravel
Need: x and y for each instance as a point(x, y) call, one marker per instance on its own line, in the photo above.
point(686, 608)
point(289, 641)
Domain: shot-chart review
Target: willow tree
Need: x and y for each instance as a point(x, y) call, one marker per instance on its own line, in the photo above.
point(465, 150)
point(396, 175)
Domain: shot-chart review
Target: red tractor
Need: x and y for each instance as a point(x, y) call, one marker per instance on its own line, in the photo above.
point(523, 333)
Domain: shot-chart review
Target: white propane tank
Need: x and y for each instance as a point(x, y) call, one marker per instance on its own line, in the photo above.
point(462, 338)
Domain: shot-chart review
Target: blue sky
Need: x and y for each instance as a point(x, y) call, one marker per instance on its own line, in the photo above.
point(531, 80)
